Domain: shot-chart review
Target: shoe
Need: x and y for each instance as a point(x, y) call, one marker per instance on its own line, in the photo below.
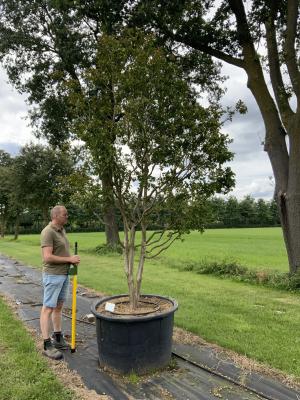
point(52, 352)
point(61, 344)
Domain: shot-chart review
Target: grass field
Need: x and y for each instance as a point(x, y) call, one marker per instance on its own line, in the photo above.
point(258, 322)
point(24, 373)
point(257, 248)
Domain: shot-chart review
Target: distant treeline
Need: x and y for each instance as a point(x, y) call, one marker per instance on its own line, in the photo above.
point(248, 212)
point(221, 213)
point(40, 177)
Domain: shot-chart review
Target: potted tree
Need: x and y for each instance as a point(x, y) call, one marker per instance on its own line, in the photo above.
point(139, 115)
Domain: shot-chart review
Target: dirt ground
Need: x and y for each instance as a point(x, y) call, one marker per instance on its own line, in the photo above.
point(73, 381)
point(185, 337)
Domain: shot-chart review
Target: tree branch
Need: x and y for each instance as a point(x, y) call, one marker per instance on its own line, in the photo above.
point(164, 248)
point(274, 65)
point(149, 243)
point(171, 234)
point(289, 46)
point(201, 46)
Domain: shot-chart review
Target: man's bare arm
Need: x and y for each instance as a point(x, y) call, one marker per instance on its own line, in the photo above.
point(49, 257)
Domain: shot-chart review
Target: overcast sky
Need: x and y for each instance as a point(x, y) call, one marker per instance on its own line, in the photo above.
point(251, 164)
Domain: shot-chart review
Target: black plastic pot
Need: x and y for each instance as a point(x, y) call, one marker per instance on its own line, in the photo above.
point(133, 343)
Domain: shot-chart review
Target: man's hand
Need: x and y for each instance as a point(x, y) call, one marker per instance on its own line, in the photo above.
point(74, 260)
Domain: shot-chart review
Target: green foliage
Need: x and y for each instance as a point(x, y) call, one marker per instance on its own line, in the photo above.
point(69, 46)
point(50, 50)
point(231, 269)
point(160, 128)
point(133, 378)
point(164, 153)
point(247, 212)
point(5, 159)
point(11, 204)
point(41, 177)
point(106, 249)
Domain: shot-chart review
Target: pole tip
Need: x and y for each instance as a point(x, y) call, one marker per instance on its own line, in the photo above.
point(73, 350)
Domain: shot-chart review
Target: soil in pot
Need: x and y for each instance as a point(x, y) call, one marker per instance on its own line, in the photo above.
point(146, 306)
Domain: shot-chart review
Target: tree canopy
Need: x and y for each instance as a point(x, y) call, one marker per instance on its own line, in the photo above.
point(44, 44)
point(166, 152)
point(262, 38)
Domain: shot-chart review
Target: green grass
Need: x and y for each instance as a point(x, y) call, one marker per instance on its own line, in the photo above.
point(24, 373)
point(259, 322)
point(258, 248)
point(251, 247)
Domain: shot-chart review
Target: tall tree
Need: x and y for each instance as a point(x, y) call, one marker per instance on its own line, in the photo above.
point(44, 43)
point(233, 31)
point(169, 153)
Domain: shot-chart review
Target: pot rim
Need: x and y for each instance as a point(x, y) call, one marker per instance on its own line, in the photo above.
point(132, 318)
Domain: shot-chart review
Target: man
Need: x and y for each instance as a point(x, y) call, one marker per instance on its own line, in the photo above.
point(56, 261)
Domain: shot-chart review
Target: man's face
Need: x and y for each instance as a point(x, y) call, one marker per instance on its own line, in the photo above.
point(62, 216)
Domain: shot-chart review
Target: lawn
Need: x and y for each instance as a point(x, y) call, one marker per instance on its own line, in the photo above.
point(24, 372)
point(258, 248)
point(258, 322)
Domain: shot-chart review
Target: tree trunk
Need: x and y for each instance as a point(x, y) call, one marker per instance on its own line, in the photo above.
point(139, 275)
point(45, 214)
point(109, 217)
point(129, 253)
point(2, 226)
point(284, 167)
point(2, 230)
point(17, 227)
point(293, 201)
point(111, 227)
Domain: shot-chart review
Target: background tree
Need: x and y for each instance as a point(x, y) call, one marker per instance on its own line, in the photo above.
point(168, 151)
point(232, 215)
point(247, 210)
point(45, 43)
point(233, 31)
point(5, 192)
point(41, 176)
point(263, 213)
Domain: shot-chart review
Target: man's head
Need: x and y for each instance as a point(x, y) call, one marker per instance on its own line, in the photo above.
point(59, 215)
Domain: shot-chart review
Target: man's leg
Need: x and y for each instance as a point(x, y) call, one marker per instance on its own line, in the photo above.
point(49, 350)
point(46, 313)
point(56, 317)
point(57, 338)
point(51, 291)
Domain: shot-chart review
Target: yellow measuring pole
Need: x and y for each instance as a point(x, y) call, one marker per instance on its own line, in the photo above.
point(73, 341)
point(74, 306)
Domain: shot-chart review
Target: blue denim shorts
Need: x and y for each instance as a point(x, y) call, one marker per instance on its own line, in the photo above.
point(56, 289)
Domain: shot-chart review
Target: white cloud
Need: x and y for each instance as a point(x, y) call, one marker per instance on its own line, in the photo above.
point(13, 126)
point(251, 163)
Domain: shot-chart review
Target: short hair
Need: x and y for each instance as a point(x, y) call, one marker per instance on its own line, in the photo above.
point(56, 211)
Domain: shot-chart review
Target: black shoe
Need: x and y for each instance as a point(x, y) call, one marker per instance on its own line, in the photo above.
point(61, 344)
point(52, 352)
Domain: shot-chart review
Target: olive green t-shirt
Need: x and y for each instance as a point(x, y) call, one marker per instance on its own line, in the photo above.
point(55, 236)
